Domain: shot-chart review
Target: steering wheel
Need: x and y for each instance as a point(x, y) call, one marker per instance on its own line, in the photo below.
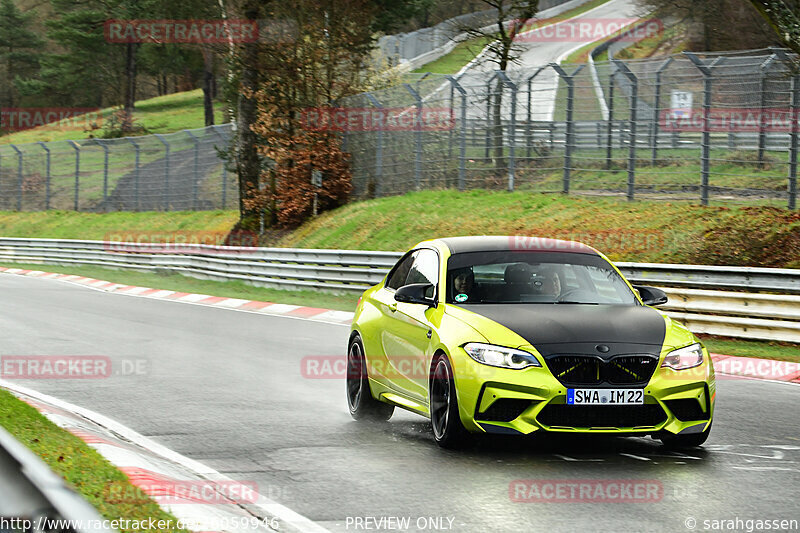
point(571, 294)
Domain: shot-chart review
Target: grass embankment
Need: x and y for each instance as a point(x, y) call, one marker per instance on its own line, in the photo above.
point(782, 351)
point(143, 227)
point(467, 50)
point(642, 231)
point(163, 114)
point(81, 466)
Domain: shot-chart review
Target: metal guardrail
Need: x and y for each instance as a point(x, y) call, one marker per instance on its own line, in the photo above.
point(710, 299)
point(33, 492)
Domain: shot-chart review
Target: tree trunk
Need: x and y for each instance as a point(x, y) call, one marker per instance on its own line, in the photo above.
point(208, 78)
point(248, 164)
point(130, 81)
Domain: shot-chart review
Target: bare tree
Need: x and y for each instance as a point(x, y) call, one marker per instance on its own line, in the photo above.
point(503, 49)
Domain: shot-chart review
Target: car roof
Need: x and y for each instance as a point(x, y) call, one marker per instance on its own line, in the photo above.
point(518, 243)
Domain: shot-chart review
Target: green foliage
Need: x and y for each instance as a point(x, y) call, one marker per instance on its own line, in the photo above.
point(19, 50)
point(760, 236)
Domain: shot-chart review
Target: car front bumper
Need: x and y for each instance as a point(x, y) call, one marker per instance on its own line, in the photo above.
point(497, 400)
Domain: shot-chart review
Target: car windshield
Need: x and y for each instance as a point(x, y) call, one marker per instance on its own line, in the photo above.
point(534, 277)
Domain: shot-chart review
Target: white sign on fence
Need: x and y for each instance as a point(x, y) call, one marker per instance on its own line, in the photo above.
point(682, 103)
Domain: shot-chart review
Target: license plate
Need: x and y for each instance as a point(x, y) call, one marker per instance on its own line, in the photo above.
point(605, 397)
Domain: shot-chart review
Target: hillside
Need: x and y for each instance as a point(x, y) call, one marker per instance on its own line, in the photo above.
point(163, 114)
point(643, 231)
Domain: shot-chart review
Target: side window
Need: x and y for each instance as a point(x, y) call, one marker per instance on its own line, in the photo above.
point(425, 270)
point(398, 277)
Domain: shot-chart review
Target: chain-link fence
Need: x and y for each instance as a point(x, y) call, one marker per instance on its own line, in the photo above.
point(177, 171)
point(721, 127)
point(704, 126)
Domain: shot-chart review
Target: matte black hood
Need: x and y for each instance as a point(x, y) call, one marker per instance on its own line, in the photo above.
point(581, 329)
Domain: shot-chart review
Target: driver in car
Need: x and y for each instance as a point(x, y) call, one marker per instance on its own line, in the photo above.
point(548, 283)
point(464, 285)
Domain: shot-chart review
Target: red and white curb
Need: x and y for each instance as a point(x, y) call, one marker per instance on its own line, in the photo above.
point(267, 308)
point(203, 499)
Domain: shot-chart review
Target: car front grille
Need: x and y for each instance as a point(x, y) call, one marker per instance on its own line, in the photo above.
point(602, 416)
point(590, 370)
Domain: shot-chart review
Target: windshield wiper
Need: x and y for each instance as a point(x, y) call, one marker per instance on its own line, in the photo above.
point(572, 302)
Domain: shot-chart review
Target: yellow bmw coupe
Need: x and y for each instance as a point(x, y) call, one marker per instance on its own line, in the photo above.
point(516, 335)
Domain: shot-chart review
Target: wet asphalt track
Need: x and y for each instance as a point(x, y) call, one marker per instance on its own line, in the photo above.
point(225, 388)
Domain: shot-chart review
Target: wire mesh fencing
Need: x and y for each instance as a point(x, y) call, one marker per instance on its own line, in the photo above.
point(708, 127)
point(177, 171)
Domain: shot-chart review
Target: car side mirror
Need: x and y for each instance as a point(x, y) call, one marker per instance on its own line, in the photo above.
point(415, 294)
point(651, 295)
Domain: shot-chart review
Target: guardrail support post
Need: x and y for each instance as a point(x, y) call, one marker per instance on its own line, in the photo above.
point(378, 151)
point(47, 176)
point(19, 176)
point(657, 108)
point(417, 137)
point(166, 170)
point(623, 68)
point(569, 79)
point(462, 152)
point(705, 157)
point(77, 170)
point(196, 142)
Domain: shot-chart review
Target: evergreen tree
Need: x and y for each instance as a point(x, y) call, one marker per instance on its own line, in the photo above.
point(19, 50)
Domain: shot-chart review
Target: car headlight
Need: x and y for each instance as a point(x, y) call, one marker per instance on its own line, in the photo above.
point(501, 356)
point(683, 358)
